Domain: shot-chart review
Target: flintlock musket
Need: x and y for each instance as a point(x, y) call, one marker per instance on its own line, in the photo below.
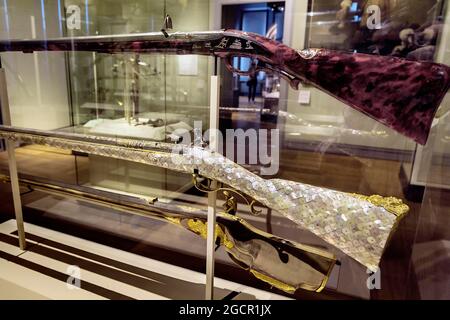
point(402, 94)
point(360, 226)
point(283, 264)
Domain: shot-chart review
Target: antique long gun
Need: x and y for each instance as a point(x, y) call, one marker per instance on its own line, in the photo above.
point(285, 265)
point(359, 226)
point(404, 95)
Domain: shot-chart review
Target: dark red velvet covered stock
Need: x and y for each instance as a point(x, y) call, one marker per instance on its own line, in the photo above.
point(402, 94)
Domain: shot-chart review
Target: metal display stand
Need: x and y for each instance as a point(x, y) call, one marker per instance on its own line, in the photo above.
point(6, 116)
point(212, 196)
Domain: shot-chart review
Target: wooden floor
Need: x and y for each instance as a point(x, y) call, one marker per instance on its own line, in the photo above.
point(340, 172)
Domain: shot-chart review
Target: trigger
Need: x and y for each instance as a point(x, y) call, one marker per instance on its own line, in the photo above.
point(295, 83)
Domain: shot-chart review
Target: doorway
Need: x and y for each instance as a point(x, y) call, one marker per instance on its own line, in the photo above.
point(264, 18)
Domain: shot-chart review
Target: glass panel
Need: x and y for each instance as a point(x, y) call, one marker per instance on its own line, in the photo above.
point(139, 96)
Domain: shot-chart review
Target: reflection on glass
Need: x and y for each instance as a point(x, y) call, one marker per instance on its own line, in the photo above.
point(258, 89)
point(408, 29)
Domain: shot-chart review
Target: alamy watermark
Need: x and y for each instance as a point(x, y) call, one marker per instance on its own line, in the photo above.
point(374, 279)
point(374, 18)
point(73, 282)
point(245, 147)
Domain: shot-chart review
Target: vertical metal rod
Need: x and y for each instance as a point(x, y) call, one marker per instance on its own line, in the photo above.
point(94, 63)
point(4, 103)
point(216, 65)
point(212, 197)
point(210, 246)
point(37, 72)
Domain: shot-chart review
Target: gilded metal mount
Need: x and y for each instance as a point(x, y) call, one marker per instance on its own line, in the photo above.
point(230, 206)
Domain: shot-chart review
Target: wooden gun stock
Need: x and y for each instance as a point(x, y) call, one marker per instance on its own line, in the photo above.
point(402, 94)
point(286, 265)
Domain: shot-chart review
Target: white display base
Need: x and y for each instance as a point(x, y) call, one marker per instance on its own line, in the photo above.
point(22, 282)
point(121, 127)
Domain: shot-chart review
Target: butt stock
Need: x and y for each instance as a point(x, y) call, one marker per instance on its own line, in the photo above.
point(402, 94)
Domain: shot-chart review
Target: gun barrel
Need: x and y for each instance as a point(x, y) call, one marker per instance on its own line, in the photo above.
point(152, 42)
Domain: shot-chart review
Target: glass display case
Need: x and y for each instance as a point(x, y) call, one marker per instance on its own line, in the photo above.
point(153, 99)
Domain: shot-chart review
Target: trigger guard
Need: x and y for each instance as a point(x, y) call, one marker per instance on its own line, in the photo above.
point(229, 65)
point(295, 83)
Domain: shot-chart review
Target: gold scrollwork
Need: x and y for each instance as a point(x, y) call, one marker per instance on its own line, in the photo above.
point(274, 282)
point(199, 227)
point(308, 53)
point(391, 204)
point(230, 206)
